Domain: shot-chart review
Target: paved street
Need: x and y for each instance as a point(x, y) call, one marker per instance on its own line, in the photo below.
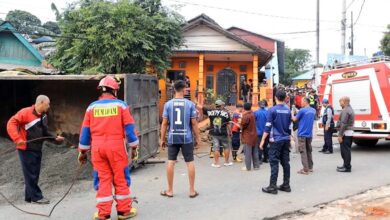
point(228, 193)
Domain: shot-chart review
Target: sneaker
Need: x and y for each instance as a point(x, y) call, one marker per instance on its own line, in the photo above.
point(239, 160)
point(42, 201)
point(228, 164)
point(127, 215)
point(215, 165)
point(244, 169)
point(97, 217)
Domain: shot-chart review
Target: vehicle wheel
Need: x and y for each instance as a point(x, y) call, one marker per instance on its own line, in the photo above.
point(365, 142)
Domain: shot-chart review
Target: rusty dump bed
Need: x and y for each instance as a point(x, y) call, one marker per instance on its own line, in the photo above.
point(70, 95)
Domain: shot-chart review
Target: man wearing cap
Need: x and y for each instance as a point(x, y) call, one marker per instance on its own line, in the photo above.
point(328, 123)
point(261, 118)
point(278, 129)
point(220, 131)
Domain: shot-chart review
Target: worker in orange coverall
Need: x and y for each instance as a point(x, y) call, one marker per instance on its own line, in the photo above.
point(107, 122)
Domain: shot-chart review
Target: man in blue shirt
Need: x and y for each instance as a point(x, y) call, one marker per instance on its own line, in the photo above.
point(261, 118)
point(305, 119)
point(279, 129)
point(180, 115)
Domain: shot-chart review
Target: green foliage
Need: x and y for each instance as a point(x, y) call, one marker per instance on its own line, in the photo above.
point(295, 63)
point(52, 26)
point(23, 21)
point(211, 98)
point(116, 37)
point(385, 42)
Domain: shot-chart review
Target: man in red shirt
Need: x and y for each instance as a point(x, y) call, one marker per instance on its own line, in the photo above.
point(298, 100)
point(24, 128)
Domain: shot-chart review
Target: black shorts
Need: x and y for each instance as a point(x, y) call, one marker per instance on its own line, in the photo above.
point(187, 150)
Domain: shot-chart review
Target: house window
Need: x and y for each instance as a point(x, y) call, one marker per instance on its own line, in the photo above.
point(209, 82)
point(210, 68)
point(182, 64)
point(243, 68)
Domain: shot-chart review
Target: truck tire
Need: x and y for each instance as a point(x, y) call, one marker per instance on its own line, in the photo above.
point(365, 142)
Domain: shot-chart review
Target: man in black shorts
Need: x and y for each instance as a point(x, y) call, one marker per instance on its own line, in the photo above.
point(180, 115)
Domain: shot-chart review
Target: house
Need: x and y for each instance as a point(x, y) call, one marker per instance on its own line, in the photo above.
point(303, 80)
point(17, 53)
point(275, 67)
point(214, 58)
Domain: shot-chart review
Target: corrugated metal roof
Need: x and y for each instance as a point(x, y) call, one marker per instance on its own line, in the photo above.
point(305, 76)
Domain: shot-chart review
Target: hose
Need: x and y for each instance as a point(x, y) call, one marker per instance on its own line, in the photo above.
point(75, 177)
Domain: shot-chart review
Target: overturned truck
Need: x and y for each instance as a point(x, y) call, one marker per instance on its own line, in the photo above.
point(70, 95)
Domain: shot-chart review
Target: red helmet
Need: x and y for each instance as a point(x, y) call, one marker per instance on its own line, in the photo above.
point(109, 82)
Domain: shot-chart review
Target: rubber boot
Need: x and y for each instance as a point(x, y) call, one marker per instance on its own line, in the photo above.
point(97, 217)
point(285, 186)
point(127, 215)
point(271, 189)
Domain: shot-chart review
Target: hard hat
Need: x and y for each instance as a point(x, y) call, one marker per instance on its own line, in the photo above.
point(219, 102)
point(325, 101)
point(109, 82)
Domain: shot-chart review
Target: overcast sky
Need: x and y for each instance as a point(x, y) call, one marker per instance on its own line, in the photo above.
point(274, 18)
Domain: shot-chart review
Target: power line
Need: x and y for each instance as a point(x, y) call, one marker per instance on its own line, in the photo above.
point(248, 12)
point(361, 9)
point(262, 14)
point(350, 4)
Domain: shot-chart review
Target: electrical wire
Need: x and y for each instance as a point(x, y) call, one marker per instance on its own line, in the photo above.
point(360, 12)
point(262, 14)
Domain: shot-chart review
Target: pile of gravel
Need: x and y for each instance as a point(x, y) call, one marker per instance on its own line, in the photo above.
point(59, 164)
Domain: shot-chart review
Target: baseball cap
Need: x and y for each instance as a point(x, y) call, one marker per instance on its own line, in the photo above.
point(219, 102)
point(325, 101)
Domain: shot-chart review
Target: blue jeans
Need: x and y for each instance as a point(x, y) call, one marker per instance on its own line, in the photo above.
point(279, 152)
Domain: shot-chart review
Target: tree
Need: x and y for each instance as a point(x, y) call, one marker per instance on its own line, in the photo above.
point(56, 11)
point(23, 21)
point(385, 42)
point(116, 37)
point(52, 26)
point(296, 61)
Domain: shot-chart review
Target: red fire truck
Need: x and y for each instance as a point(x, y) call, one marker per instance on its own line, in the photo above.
point(367, 84)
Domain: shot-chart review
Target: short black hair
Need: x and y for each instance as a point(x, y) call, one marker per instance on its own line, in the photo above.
point(280, 95)
point(306, 99)
point(179, 85)
point(247, 106)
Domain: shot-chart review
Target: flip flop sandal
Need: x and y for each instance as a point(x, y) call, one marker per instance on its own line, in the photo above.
point(303, 172)
point(195, 195)
point(164, 193)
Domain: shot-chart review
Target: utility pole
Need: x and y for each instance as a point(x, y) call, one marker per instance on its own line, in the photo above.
point(343, 25)
point(351, 52)
point(318, 34)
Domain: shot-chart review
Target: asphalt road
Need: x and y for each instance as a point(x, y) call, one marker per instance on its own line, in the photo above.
point(229, 193)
